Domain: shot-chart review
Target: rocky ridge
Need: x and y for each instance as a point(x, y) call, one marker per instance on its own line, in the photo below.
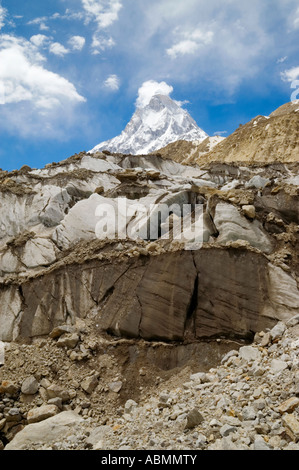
point(189, 152)
point(263, 140)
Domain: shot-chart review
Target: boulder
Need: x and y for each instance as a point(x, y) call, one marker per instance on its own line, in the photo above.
point(257, 182)
point(79, 223)
point(35, 415)
point(54, 210)
point(30, 386)
point(47, 432)
point(61, 330)
point(9, 263)
point(115, 386)
point(249, 211)
point(9, 388)
point(289, 405)
point(260, 444)
point(291, 424)
point(194, 418)
point(55, 391)
point(278, 331)
point(96, 439)
point(277, 366)
point(38, 252)
point(249, 353)
point(68, 341)
point(89, 384)
point(233, 226)
point(130, 405)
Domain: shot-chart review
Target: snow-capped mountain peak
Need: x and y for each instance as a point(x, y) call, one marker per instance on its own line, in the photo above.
point(154, 126)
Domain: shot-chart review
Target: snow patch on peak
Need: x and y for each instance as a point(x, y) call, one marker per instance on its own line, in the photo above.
point(158, 123)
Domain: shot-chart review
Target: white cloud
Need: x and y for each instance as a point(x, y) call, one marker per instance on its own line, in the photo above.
point(151, 88)
point(41, 21)
point(77, 43)
point(112, 83)
point(190, 43)
point(71, 15)
point(199, 35)
point(281, 60)
point(290, 75)
point(58, 49)
point(222, 47)
point(296, 19)
point(100, 43)
point(24, 79)
point(2, 16)
point(104, 12)
point(221, 133)
point(183, 48)
point(39, 39)
point(44, 27)
point(68, 15)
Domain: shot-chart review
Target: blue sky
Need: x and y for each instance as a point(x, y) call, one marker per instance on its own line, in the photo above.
point(71, 70)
